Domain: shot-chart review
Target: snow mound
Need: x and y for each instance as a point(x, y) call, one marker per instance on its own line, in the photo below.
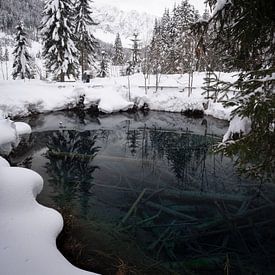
point(4, 163)
point(22, 128)
point(237, 125)
point(28, 230)
point(9, 133)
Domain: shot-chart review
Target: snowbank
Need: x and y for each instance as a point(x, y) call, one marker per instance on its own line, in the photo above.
point(10, 132)
point(28, 230)
point(21, 98)
point(3, 162)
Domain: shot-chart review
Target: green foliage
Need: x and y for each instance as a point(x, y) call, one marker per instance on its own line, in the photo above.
point(70, 164)
point(245, 30)
point(211, 86)
point(172, 49)
point(86, 43)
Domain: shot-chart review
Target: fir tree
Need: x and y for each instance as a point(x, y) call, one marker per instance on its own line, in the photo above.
point(245, 31)
point(22, 59)
point(173, 43)
point(103, 66)
point(118, 51)
point(135, 50)
point(155, 49)
point(6, 59)
point(1, 60)
point(85, 41)
point(59, 51)
point(6, 55)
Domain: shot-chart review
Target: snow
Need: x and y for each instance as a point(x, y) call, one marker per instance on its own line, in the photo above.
point(219, 6)
point(28, 230)
point(8, 131)
point(3, 162)
point(237, 125)
point(22, 128)
point(112, 94)
point(113, 20)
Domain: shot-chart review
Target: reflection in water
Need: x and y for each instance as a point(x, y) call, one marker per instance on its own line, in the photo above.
point(161, 198)
point(186, 153)
point(70, 166)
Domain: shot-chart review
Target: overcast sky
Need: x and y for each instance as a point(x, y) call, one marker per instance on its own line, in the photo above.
point(155, 7)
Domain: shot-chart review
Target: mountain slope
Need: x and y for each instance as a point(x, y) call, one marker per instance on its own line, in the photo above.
point(112, 20)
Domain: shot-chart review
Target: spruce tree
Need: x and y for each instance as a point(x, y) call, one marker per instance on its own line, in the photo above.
point(135, 50)
point(103, 66)
point(22, 59)
point(1, 61)
point(118, 51)
point(176, 43)
point(244, 29)
point(85, 41)
point(6, 55)
point(155, 49)
point(59, 51)
point(6, 59)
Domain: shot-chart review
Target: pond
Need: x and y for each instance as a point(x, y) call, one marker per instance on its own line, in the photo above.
point(145, 194)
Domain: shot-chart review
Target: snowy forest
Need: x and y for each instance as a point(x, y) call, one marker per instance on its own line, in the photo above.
point(134, 142)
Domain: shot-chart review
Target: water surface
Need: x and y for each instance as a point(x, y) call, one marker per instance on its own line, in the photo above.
point(140, 188)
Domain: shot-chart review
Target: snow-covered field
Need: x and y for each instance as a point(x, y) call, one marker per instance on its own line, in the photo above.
point(113, 94)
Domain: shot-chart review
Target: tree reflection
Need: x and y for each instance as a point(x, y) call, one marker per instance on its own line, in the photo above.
point(133, 138)
point(185, 152)
point(70, 166)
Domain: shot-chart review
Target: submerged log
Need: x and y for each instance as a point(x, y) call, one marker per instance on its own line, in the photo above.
point(170, 211)
point(204, 197)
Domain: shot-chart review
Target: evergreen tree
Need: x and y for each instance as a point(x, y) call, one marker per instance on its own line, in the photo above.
point(1, 60)
point(103, 66)
point(118, 51)
point(185, 15)
point(13, 11)
point(244, 30)
point(173, 44)
point(22, 59)
point(59, 51)
point(1, 53)
point(155, 49)
point(6, 55)
point(135, 50)
point(6, 59)
point(85, 41)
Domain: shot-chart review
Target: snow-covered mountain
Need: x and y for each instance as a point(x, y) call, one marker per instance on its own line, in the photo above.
point(113, 20)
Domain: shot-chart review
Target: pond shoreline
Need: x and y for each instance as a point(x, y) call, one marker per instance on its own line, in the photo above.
point(142, 176)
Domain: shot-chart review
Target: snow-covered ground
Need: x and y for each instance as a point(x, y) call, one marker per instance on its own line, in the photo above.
point(113, 94)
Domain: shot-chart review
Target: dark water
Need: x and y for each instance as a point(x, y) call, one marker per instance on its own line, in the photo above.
point(147, 193)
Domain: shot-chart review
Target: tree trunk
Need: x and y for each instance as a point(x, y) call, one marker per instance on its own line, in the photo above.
point(62, 77)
